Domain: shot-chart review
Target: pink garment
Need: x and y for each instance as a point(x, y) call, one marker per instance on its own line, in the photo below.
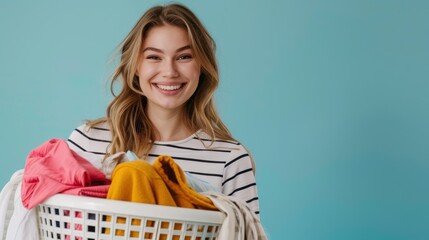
point(91, 191)
point(53, 168)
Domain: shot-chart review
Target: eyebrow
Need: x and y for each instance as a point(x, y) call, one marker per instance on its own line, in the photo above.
point(160, 51)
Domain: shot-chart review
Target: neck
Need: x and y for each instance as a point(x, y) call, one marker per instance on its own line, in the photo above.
point(169, 125)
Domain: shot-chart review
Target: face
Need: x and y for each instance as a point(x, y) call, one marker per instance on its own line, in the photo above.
point(167, 70)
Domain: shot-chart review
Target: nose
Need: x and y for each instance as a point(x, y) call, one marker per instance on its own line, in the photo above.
point(169, 69)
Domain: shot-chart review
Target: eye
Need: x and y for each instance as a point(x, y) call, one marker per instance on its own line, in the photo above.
point(185, 57)
point(153, 57)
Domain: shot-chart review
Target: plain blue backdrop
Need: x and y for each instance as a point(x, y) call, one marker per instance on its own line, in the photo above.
point(331, 97)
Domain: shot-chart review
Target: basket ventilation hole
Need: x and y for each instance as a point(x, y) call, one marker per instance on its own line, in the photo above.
point(91, 228)
point(189, 227)
point(200, 228)
point(91, 216)
point(150, 223)
point(78, 214)
point(165, 225)
point(66, 213)
point(176, 237)
point(78, 227)
point(121, 220)
point(136, 222)
point(178, 226)
point(119, 232)
point(134, 234)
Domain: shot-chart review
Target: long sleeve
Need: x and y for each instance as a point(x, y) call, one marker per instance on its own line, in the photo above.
point(239, 179)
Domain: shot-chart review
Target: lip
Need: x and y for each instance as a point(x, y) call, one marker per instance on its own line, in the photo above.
point(169, 92)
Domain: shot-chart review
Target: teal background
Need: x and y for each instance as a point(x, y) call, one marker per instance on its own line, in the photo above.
point(331, 97)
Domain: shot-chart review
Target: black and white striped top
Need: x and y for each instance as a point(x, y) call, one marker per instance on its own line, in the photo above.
point(225, 164)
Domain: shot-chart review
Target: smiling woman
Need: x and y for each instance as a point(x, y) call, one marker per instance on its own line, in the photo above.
point(169, 74)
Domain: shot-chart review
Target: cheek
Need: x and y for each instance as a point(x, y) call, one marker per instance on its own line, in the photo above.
point(145, 73)
point(197, 75)
point(194, 72)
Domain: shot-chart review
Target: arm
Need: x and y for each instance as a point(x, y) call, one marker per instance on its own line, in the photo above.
point(239, 178)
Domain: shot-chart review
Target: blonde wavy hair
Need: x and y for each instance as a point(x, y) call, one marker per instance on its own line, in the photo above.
point(126, 114)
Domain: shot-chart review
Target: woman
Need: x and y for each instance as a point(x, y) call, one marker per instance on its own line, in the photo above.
point(169, 73)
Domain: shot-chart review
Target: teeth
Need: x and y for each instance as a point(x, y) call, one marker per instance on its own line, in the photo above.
point(169, 87)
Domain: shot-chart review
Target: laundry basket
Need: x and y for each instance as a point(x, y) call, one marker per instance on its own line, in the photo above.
point(75, 217)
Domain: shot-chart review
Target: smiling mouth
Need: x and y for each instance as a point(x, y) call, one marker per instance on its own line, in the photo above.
point(170, 87)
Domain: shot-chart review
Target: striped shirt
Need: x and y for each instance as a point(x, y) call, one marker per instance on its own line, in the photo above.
point(225, 164)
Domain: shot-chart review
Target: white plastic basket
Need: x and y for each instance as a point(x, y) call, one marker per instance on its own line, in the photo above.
point(75, 217)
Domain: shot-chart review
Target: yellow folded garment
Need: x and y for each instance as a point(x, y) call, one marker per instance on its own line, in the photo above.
point(175, 179)
point(137, 181)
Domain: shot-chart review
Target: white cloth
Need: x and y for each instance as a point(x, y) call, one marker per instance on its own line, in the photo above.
point(23, 223)
point(6, 200)
point(199, 185)
point(240, 223)
point(16, 222)
point(109, 164)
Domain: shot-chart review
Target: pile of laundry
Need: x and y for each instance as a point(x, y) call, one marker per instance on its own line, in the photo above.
point(54, 168)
